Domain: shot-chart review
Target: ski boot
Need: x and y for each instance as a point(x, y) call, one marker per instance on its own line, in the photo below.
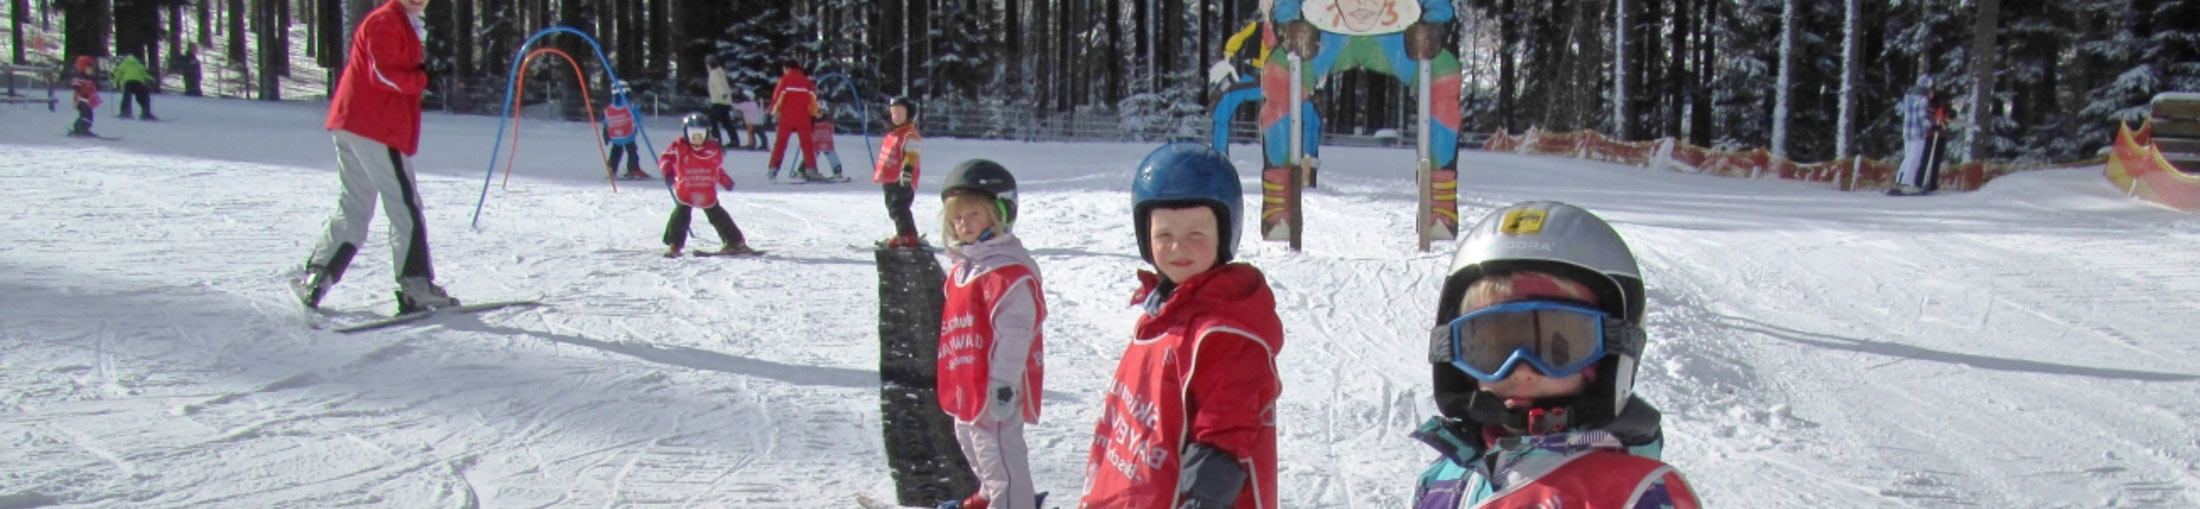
point(673, 253)
point(837, 175)
point(148, 116)
point(971, 502)
point(420, 294)
point(637, 174)
point(312, 283)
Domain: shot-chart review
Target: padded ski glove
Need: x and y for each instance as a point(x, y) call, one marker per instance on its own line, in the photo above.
point(907, 178)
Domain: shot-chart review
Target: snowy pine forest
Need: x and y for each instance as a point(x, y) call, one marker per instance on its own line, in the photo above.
point(2033, 81)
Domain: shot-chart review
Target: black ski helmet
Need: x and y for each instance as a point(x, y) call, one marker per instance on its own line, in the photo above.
point(1563, 240)
point(904, 102)
point(1184, 174)
point(694, 121)
point(987, 177)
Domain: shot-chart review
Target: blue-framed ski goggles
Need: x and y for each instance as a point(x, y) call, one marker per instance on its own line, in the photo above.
point(1558, 339)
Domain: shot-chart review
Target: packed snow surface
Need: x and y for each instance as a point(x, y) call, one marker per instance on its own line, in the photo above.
point(2030, 344)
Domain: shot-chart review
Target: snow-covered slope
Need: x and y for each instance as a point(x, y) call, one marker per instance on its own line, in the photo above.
point(2026, 345)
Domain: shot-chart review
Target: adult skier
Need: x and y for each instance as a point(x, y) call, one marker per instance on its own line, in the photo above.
point(1917, 127)
point(794, 104)
point(721, 102)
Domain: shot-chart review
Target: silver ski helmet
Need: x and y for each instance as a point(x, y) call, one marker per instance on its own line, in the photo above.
point(983, 176)
point(1567, 241)
point(1184, 174)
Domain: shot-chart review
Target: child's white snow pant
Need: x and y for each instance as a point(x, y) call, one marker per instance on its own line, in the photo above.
point(369, 169)
point(1913, 163)
point(997, 454)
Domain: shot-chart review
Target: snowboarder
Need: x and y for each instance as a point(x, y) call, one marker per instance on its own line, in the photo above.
point(794, 105)
point(1538, 332)
point(721, 102)
point(897, 170)
point(694, 166)
point(375, 118)
point(618, 128)
point(86, 97)
point(990, 366)
point(752, 121)
point(135, 83)
point(1917, 130)
point(822, 131)
point(1190, 419)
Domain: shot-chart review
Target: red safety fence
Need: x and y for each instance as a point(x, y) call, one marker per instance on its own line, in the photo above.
point(1847, 174)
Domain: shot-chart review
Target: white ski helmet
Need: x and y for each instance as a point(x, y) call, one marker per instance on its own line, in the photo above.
point(1563, 240)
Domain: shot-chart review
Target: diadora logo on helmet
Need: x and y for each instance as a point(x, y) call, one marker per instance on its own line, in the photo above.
point(1522, 222)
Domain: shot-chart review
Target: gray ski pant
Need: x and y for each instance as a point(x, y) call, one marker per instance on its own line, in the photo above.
point(369, 169)
point(997, 454)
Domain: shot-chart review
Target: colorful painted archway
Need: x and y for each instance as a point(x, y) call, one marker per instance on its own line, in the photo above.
point(1404, 39)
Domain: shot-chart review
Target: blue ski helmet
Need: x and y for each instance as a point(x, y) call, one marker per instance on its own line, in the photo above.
point(1185, 174)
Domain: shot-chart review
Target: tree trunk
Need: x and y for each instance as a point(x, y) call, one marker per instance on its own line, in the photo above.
point(660, 55)
point(17, 11)
point(1983, 54)
point(1508, 38)
point(1620, 76)
point(1852, 72)
point(235, 32)
point(1699, 130)
point(263, 19)
point(1780, 106)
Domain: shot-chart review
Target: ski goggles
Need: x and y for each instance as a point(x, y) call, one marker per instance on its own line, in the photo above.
point(1556, 338)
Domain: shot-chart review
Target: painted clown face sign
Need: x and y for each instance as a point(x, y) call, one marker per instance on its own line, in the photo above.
point(1361, 17)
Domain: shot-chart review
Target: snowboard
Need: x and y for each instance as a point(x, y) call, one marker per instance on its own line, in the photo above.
point(417, 315)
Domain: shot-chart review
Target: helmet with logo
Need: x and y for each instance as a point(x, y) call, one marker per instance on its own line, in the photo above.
point(1184, 174)
point(985, 177)
point(1568, 242)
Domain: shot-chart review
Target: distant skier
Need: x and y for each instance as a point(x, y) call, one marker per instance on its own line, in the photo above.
point(822, 131)
point(794, 104)
point(187, 65)
point(375, 120)
point(990, 366)
point(618, 129)
point(897, 170)
point(721, 102)
point(1190, 419)
point(86, 97)
point(752, 121)
point(135, 83)
point(694, 166)
point(1538, 334)
point(1917, 131)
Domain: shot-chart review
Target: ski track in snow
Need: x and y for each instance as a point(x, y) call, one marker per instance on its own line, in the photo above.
point(2024, 345)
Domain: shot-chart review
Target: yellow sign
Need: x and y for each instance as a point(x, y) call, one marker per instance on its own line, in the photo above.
point(1522, 222)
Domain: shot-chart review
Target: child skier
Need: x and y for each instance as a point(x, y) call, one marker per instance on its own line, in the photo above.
point(1538, 332)
point(618, 129)
point(86, 97)
point(136, 83)
point(693, 167)
point(991, 339)
point(752, 119)
point(897, 171)
point(1190, 419)
point(822, 131)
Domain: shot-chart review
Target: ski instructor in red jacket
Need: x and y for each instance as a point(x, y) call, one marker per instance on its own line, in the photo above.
point(375, 120)
point(795, 103)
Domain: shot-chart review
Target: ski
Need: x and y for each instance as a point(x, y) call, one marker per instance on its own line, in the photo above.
point(94, 136)
point(707, 254)
point(826, 180)
point(417, 315)
point(866, 502)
